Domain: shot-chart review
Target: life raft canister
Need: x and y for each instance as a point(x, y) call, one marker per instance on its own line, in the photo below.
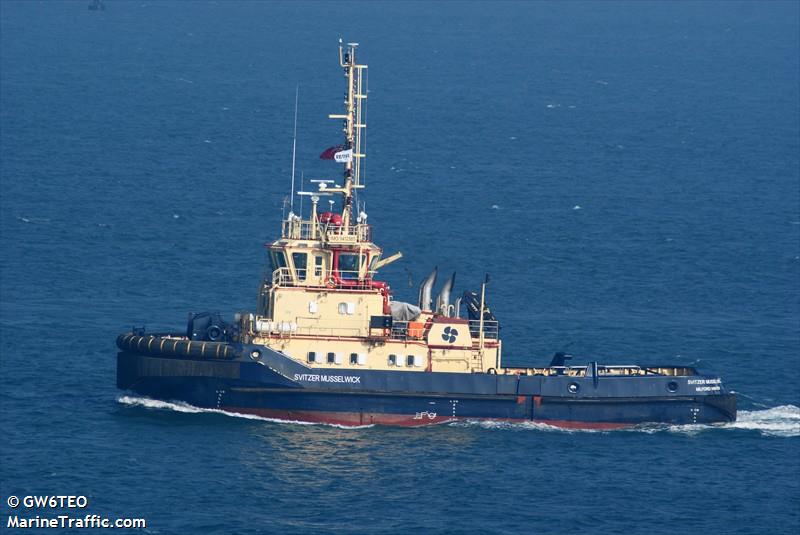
point(330, 218)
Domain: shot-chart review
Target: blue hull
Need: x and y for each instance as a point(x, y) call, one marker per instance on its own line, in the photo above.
point(276, 386)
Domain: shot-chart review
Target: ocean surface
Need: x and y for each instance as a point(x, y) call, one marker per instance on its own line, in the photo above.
point(628, 173)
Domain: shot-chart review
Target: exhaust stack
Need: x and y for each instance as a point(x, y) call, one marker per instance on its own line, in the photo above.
point(425, 290)
point(443, 301)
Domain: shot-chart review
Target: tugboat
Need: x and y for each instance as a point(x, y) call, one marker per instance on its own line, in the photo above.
point(328, 343)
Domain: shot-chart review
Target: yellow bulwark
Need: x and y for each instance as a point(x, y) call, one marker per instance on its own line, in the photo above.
point(321, 303)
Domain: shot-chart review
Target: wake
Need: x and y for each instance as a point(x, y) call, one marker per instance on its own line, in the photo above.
point(180, 406)
point(780, 421)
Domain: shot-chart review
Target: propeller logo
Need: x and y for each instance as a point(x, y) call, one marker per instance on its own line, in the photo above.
point(449, 334)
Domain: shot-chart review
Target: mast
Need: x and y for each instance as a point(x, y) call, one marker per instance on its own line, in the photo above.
point(351, 155)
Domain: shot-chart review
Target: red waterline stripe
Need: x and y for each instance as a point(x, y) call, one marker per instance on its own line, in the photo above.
point(355, 419)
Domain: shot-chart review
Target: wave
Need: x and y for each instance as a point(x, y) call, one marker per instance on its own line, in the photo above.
point(180, 406)
point(781, 421)
point(522, 426)
point(33, 219)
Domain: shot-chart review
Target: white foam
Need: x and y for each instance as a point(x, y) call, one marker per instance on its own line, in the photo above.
point(180, 406)
point(33, 219)
point(781, 421)
point(521, 426)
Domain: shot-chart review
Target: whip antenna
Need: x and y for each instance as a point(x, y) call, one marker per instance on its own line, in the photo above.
point(294, 144)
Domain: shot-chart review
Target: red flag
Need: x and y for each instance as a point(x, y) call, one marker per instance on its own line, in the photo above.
point(328, 154)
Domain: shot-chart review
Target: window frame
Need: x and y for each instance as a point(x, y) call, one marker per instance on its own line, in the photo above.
point(300, 272)
point(277, 259)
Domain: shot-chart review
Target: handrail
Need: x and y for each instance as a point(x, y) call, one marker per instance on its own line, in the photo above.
point(616, 370)
point(284, 277)
point(315, 230)
point(491, 329)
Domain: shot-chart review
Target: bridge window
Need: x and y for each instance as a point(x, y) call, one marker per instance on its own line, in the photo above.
point(300, 261)
point(278, 259)
point(312, 357)
point(348, 266)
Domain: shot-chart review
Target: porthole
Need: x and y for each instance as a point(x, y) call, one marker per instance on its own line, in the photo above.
point(672, 386)
point(255, 354)
point(214, 333)
point(573, 388)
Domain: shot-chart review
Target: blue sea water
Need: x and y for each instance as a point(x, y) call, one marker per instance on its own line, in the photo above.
point(629, 174)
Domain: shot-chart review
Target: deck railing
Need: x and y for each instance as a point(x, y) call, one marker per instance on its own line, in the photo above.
point(491, 329)
point(623, 370)
point(284, 277)
point(314, 230)
point(400, 330)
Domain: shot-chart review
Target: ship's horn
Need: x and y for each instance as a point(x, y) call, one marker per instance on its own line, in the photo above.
point(443, 301)
point(425, 290)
